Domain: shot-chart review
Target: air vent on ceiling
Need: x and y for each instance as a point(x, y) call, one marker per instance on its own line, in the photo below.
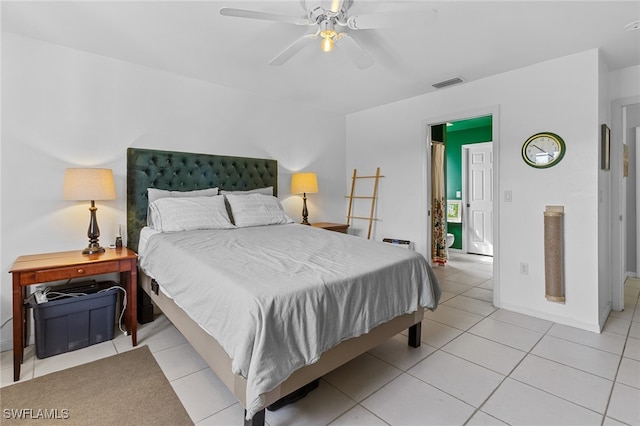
point(446, 83)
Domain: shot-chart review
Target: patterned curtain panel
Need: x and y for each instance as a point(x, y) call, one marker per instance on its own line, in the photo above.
point(439, 205)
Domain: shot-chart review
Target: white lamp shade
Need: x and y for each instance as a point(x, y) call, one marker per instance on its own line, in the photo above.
point(88, 184)
point(304, 183)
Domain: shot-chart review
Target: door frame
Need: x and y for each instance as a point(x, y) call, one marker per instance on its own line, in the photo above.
point(637, 166)
point(619, 201)
point(465, 191)
point(425, 194)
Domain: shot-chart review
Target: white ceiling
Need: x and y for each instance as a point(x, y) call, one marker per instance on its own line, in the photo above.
point(471, 39)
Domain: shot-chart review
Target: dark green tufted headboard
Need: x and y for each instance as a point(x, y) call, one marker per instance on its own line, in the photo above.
point(183, 171)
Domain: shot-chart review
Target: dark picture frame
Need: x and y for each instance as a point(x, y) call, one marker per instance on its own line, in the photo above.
point(605, 140)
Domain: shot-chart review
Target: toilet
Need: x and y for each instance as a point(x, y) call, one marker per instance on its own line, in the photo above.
point(450, 239)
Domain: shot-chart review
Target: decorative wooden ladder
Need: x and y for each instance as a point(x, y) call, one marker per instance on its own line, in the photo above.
point(373, 198)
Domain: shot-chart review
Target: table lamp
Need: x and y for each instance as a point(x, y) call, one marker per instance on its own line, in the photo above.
point(304, 183)
point(89, 185)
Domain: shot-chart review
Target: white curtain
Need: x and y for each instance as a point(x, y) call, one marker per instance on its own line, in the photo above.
point(438, 205)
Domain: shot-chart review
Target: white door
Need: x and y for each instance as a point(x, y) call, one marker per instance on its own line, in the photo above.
point(478, 196)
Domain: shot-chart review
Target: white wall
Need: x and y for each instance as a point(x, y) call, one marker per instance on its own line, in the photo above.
point(624, 82)
point(561, 96)
point(64, 108)
point(604, 205)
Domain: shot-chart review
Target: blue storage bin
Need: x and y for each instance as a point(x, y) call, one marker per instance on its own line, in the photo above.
point(74, 322)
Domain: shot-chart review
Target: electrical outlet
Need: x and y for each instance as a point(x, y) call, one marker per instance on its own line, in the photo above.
point(508, 197)
point(524, 268)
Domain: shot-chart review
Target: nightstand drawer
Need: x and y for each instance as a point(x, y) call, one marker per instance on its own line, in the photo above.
point(69, 272)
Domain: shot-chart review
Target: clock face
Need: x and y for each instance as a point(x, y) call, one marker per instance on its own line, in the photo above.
point(543, 150)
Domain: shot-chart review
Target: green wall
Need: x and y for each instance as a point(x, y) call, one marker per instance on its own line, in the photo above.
point(475, 130)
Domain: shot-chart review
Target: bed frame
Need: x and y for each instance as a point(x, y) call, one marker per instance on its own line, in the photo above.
point(179, 171)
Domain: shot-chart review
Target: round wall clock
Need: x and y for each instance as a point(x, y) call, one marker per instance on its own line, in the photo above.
point(543, 150)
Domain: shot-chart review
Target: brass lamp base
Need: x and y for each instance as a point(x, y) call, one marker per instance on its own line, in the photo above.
point(93, 250)
point(305, 212)
point(93, 233)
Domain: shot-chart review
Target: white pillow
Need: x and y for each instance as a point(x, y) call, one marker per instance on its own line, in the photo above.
point(265, 191)
point(188, 213)
point(256, 210)
point(155, 194)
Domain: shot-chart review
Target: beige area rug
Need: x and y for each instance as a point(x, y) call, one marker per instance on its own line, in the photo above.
point(124, 389)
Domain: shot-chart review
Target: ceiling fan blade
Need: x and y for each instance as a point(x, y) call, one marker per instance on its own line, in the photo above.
point(357, 54)
point(393, 19)
point(292, 49)
point(254, 14)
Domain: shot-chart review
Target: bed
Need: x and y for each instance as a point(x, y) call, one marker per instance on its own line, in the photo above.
point(338, 303)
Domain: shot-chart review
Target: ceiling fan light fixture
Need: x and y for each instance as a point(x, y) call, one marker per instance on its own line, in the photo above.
point(324, 15)
point(328, 34)
point(326, 44)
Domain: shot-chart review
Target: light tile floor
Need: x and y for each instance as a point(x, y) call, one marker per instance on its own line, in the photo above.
point(477, 366)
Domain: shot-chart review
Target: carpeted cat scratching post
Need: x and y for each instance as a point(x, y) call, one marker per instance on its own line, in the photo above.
point(554, 253)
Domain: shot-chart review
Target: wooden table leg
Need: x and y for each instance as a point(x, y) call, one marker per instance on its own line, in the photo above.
point(18, 326)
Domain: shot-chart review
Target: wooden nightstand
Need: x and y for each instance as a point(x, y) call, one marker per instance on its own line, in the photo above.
point(41, 268)
point(337, 227)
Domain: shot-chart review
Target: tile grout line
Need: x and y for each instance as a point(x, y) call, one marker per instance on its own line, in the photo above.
point(615, 378)
point(510, 373)
point(476, 409)
point(358, 404)
point(613, 381)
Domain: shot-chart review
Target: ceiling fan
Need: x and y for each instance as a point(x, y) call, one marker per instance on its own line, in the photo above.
point(334, 26)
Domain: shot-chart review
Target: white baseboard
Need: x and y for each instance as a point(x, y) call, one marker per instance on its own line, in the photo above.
point(571, 322)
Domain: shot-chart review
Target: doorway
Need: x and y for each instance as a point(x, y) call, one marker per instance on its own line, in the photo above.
point(458, 130)
point(472, 229)
point(625, 213)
